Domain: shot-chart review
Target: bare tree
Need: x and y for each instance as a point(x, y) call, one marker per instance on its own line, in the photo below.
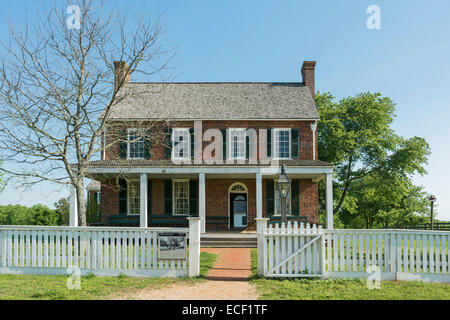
point(60, 78)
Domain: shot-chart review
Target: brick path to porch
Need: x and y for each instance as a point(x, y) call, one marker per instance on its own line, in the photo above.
point(233, 264)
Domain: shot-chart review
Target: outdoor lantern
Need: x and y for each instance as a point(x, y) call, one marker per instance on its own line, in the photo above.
point(283, 182)
point(432, 199)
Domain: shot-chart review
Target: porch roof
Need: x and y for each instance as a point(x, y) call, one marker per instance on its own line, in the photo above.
point(132, 163)
point(298, 168)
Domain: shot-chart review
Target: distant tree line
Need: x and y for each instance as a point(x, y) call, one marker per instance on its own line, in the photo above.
point(41, 215)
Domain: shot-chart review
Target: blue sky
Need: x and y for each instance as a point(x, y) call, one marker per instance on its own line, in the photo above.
point(407, 60)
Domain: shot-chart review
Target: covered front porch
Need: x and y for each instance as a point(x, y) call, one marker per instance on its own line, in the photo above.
point(226, 198)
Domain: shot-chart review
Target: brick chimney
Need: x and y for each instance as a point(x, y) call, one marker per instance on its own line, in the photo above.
point(308, 76)
point(120, 72)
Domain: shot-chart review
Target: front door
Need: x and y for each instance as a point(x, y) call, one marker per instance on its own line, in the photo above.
point(238, 210)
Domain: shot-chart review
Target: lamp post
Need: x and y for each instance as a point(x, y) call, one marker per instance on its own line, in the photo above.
point(432, 199)
point(283, 186)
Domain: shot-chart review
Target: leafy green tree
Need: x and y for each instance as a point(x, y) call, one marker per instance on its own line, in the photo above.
point(355, 135)
point(63, 208)
point(15, 215)
point(44, 216)
point(376, 201)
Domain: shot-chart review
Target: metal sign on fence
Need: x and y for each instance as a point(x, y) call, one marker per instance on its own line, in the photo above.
point(172, 246)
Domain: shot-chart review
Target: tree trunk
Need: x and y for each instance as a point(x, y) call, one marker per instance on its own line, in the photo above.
point(81, 203)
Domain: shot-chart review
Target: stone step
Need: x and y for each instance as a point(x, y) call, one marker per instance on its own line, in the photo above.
point(229, 243)
point(228, 239)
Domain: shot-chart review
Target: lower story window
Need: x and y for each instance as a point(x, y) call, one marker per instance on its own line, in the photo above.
point(181, 197)
point(278, 200)
point(134, 198)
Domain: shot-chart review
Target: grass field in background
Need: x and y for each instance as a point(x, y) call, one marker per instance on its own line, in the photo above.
point(343, 289)
point(31, 287)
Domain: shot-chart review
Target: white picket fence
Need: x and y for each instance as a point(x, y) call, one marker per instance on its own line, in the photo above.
point(301, 250)
point(104, 251)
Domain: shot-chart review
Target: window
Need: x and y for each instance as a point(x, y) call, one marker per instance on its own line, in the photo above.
point(97, 197)
point(133, 197)
point(135, 145)
point(278, 200)
point(180, 143)
point(237, 143)
point(181, 197)
point(282, 145)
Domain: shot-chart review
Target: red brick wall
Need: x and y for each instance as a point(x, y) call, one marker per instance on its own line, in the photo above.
point(217, 201)
point(306, 140)
point(109, 199)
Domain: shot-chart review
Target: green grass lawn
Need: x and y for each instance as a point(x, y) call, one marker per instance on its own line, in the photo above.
point(347, 289)
point(30, 287)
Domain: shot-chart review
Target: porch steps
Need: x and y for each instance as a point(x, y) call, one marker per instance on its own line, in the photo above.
point(228, 241)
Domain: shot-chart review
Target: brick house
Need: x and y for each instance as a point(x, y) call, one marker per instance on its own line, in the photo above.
point(213, 150)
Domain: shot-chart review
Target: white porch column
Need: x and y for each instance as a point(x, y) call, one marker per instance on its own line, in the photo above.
point(329, 200)
point(202, 202)
point(73, 217)
point(143, 199)
point(259, 195)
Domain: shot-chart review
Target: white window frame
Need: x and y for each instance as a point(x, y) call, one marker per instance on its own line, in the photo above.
point(188, 142)
point(289, 213)
point(134, 130)
point(275, 144)
point(173, 197)
point(229, 142)
point(128, 196)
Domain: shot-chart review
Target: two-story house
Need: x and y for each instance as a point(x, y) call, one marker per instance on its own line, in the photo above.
point(211, 149)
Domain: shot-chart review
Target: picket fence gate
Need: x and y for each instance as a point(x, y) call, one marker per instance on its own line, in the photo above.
point(302, 250)
point(104, 251)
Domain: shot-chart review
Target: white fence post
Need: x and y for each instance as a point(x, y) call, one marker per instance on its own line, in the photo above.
point(194, 246)
point(261, 226)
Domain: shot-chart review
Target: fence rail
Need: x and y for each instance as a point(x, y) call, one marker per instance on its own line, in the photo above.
point(99, 250)
point(299, 250)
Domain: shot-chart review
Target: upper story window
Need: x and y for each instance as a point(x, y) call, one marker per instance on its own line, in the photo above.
point(282, 143)
point(180, 143)
point(237, 143)
point(136, 147)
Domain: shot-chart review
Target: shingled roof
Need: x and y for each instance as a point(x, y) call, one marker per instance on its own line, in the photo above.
point(215, 101)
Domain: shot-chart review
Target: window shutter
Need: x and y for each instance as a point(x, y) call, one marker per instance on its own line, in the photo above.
point(149, 197)
point(192, 137)
point(295, 146)
point(193, 187)
point(123, 145)
point(269, 143)
point(224, 137)
point(167, 144)
point(270, 201)
point(247, 146)
point(122, 197)
point(168, 197)
point(148, 144)
point(295, 197)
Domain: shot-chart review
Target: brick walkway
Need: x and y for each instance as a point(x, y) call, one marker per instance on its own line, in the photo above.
point(233, 264)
